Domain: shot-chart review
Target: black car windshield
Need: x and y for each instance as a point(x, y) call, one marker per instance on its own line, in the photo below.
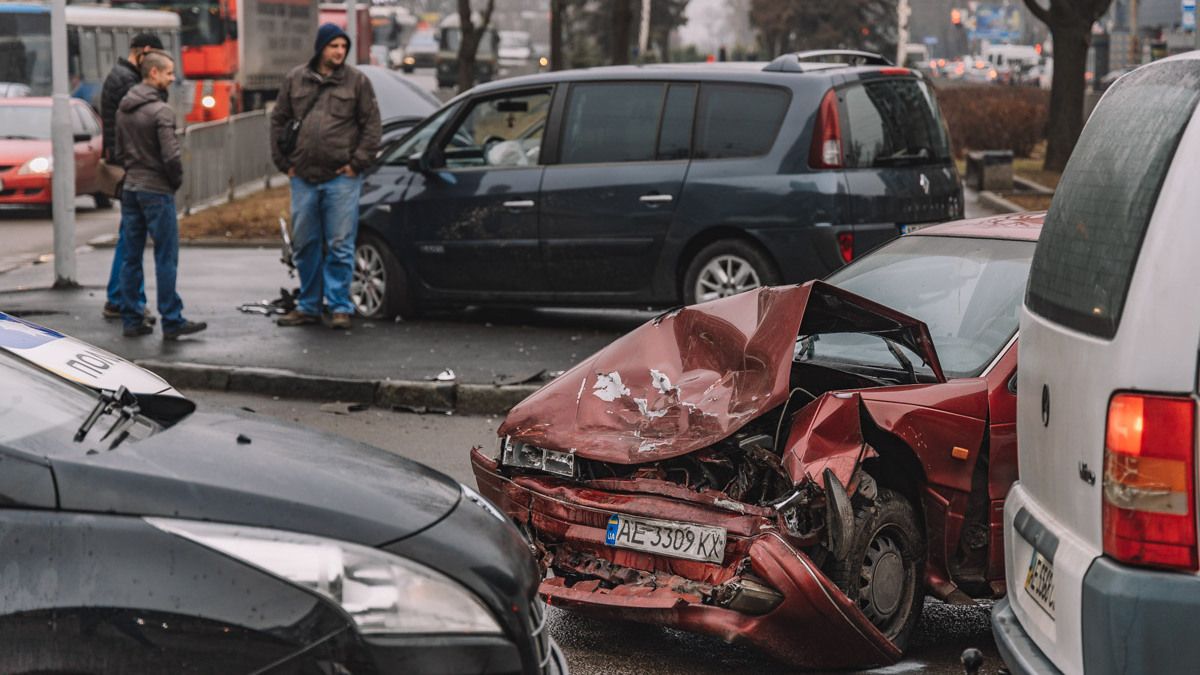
point(24, 121)
point(33, 402)
point(967, 291)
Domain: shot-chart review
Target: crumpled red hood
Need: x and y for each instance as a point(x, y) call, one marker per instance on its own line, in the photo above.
point(693, 376)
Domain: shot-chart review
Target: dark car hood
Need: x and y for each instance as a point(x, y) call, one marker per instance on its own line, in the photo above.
point(284, 477)
point(693, 376)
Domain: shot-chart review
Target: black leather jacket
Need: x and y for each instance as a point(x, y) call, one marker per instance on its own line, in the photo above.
point(118, 83)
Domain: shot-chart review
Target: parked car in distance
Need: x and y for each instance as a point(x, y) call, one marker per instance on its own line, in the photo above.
point(154, 537)
point(421, 51)
point(27, 157)
point(652, 185)
point(1100, 532)
point(401, 102)
point(794, 467)
point(516, 53)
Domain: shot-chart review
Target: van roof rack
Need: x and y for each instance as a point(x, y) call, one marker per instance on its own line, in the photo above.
point(793, 63)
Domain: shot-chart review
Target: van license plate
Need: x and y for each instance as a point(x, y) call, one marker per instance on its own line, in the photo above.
point(678, 540)
point(909, 229)
point(1039, 582)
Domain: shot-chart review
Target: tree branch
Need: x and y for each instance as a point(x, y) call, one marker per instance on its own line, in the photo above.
point(1038, 11)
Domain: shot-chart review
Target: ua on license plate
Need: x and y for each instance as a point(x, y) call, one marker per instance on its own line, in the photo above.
point(678, 540)
point(1039, 582)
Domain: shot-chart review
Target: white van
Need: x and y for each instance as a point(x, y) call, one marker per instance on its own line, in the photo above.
point(1100, 533)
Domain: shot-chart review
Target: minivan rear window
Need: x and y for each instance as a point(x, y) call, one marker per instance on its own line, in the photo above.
point(893, 122)
point(1098, 218)
point(738, 120)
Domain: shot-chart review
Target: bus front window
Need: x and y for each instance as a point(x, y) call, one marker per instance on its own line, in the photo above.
point(200, 21)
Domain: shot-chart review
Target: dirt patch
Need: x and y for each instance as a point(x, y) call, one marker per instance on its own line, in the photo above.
point(254, 216)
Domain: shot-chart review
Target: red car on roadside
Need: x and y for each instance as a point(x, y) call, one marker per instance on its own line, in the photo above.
point(795, 467)
point(27, 157)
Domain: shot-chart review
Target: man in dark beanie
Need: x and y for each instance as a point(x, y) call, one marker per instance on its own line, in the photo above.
point(334, 108)
point(118, 83)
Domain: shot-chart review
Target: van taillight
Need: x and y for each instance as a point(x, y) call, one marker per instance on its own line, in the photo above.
point(1149, 498)
point(826, 151)
point(846, 245)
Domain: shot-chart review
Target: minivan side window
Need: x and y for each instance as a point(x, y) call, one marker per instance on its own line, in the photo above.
point(417, 140)
point(892, 123)
point(738, 120)
point(611, 122)
point(1097, 220)
point(501, 131)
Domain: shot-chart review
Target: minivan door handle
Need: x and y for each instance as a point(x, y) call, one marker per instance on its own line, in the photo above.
point(519, 204)
point(656, 199)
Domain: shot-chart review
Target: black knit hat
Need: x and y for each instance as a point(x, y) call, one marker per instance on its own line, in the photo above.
point(143, 40)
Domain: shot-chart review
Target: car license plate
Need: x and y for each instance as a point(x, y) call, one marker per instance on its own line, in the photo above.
point(1039, 582)
point(678, 540)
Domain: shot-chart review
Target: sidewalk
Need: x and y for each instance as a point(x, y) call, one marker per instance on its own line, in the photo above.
point(249, 352)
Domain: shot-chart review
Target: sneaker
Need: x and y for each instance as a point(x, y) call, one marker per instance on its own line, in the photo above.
point(297, 318)
point(340, 320)
point(188, 328)
point(143, 328)
point(112, 311)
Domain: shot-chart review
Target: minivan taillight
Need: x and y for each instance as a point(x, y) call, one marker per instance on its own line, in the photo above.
point(1149, 513)
point(826, 151)
point(846, 245)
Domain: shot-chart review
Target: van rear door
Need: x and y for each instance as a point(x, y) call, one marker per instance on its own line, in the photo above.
point(897, 156)
point(1110, 308)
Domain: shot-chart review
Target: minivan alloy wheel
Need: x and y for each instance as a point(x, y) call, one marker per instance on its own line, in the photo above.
point(368, 289)
point(724, 276)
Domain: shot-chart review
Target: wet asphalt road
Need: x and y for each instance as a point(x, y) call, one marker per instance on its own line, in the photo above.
point(595, 647)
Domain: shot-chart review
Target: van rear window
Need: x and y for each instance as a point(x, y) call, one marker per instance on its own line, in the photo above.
point(1094, 230)
point(893, 122)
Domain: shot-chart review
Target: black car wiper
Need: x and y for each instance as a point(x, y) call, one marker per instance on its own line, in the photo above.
point(18, 137)
point(903, 360)
point(121, 401)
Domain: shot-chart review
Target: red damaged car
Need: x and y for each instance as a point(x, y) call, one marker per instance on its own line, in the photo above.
point(793, 467)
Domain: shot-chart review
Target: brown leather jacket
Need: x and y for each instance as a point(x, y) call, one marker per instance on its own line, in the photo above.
point(342, 128)
point(146, 142)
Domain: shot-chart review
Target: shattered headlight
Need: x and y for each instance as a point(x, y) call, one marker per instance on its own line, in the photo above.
point(382, 592)
point(526, 456)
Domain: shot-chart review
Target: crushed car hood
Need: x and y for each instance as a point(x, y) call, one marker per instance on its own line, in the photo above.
point(695, 375)
point(236, 468)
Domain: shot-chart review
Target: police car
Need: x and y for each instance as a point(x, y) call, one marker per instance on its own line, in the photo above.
point(139, 534)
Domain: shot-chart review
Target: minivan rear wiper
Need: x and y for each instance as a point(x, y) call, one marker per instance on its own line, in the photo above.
point(123, 403)
point(903, 360)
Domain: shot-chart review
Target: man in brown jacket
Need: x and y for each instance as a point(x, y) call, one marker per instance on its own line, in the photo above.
point(149, 150)
point(338, 137)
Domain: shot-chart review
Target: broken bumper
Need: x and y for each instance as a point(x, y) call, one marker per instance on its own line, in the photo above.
point(814, 625)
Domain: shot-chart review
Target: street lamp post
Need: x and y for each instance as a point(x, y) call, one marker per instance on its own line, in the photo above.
point(352, 31)
point(62, 181)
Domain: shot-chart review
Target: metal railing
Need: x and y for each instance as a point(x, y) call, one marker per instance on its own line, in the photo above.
point(221, 157)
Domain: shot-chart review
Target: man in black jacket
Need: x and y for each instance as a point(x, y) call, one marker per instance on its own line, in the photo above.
point(118, 83)
point(149, 150)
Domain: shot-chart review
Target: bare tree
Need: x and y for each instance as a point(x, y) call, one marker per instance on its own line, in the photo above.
point(1070, 23)
point(622, 20)
point(556, 34)
point(786, 25)
point(472, 35)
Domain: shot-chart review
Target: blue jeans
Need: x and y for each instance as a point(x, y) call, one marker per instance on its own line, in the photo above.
point(150, 213)
point(114, 275)
point(324, 227)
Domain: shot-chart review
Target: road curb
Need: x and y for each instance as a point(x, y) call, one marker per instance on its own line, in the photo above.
point(110, 241)
point(995, 202)
point(464, 399)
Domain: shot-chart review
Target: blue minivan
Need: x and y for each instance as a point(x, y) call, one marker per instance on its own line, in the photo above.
point(652, 185)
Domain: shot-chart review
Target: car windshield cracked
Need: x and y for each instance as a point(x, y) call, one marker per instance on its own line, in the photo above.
point(810, 430)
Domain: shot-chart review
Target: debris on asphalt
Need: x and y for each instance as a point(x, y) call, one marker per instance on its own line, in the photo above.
point(446, 375)
point(285, 303)
point(524, 378)
point(343, 408)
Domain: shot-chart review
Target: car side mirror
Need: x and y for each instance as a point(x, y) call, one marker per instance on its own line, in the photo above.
point(82, 138)
point(417, 164)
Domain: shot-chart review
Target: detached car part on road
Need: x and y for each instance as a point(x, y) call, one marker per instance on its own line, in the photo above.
point(791, 467)
point(140, 535)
